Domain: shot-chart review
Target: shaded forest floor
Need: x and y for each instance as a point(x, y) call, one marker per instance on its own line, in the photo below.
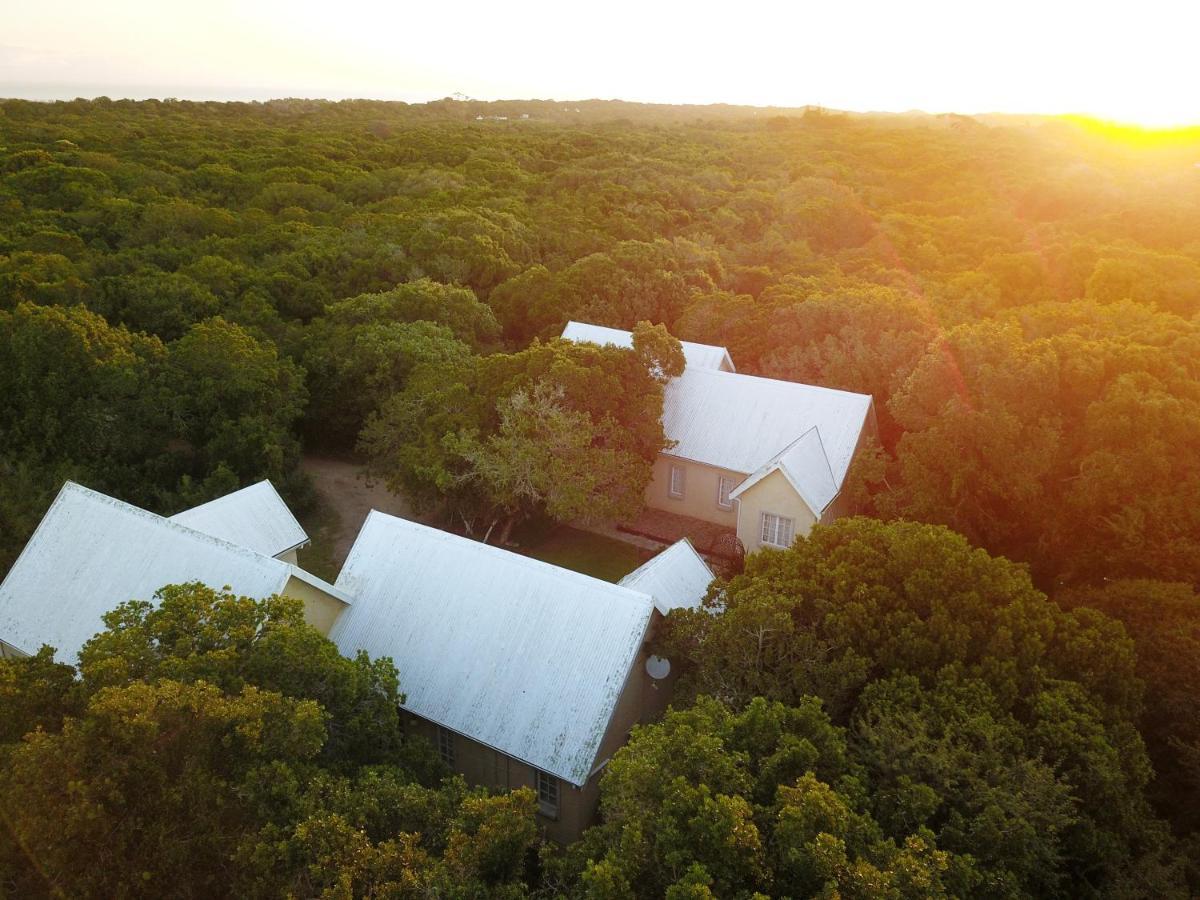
point(344, 498)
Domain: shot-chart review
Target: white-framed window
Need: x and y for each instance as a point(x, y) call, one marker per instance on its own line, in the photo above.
point(777, 531)
point(446, 745)
point(547, 791)
point(724, 486)
point(678, 476)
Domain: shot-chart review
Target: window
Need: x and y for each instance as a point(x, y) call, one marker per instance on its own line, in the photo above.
point(724, 486)
point(446, 745)
point(777, 531)
point(547, 790)
point(676, 486)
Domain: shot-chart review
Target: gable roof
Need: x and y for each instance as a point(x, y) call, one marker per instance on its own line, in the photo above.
point(677, 578)
point(806, 467)
point(92, 552)
point(254, 517)
point(740, 422)
point(700, 356)
point(525, 657)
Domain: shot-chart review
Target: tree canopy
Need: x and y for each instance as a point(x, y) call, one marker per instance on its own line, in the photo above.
point(193, 295)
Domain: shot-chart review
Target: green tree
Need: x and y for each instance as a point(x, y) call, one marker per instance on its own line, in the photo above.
point(1164, 620)
point(660, 353)
point(235, 401)
point(81, 393)
point(218, 746)
point(194, 633)
point(569, 430)
point(763, 800)
point(545, 457)
point(145, 792)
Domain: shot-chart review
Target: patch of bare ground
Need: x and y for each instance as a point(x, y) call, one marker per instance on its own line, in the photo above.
point(345, 497)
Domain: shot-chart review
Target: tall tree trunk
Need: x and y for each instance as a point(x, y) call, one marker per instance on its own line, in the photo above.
point(506, 531)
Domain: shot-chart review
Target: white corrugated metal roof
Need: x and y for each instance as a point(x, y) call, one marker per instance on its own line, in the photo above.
point(514, 653)
point(700, 356)
point(739, 422)
point(254, 517)
point(804, 464)
point(91, 552)
point(677, 578)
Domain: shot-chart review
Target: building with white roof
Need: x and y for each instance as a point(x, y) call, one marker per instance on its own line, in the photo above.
point(677, 578)
point(697, 356)
point(91, 553)
point(255, 517)
point(520, 672)
point(765, 457)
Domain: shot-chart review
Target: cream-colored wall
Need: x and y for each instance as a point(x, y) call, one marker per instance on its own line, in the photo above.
point(774, 494)
point(288, 556)
point(699, 490)
point(320, 609)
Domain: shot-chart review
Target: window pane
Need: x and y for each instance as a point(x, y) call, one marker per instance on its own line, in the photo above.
point(446, 745)
point(724, 486)
point(547, 789)
point(777, 531)
point(676, 486)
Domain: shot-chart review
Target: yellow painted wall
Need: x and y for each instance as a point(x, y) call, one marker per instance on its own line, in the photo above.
point(320, 609)
point(699, 493)
point(774, 494)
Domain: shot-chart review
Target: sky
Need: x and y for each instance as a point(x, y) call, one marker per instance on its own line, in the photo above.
point(1130, 61)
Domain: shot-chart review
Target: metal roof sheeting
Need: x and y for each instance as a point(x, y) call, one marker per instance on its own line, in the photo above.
point(517, 654)
point(254, 517)
point(806, 467)
point(700, 356)
point(739, 422)
point(677, 578)
point(91, 552)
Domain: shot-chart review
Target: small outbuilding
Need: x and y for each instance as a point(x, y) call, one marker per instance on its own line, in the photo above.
point(91, 552)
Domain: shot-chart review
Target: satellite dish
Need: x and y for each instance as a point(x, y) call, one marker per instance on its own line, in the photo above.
point(658, 667)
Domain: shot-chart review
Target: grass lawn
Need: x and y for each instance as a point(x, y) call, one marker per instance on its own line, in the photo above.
point(582, 551)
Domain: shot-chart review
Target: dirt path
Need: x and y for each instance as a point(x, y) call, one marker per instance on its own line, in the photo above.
point(346, 498)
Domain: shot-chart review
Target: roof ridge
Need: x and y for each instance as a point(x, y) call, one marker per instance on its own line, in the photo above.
point(169, 523)
point(218, 506)
point(509, 556)
point(804, 384)
point(825, 456)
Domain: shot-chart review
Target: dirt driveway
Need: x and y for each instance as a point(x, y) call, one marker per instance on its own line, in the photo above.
point(346, 498)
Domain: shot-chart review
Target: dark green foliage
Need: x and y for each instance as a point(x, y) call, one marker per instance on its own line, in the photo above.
point(236, 401)
point(766, 800)
point(189, 291)
point(978, 709)
point(1020, 301)
point(218, 746)
point(1163, 618)
point(563, 429)
point(193, 633)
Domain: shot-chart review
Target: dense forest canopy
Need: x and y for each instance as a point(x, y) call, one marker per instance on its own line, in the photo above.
point(1020, 293)
point(194, 294)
